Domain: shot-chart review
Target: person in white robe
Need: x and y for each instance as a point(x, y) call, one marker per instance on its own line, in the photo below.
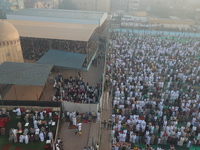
point(41, 135)
point(98, 117)
point(41, 115)
point(50, 135)
point(18, 111)
point(180, 143)
point(37, 131)
point(112, 133)
point(26, 139)
point(148, 140)
point(131, 137)
point(120, 137)
point(50, 115)
point(134, 138)
point(123, 137)
point(21, 139)
point(15, 131)
point(79, 126)
point(189, 144)
point(35, 124)
point(74, 120)
point(15, 138)
point(57, 146)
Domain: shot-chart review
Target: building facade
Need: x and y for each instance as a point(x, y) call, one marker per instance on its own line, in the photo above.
point(41, 3)
point(133, 5)
point(92, 5)
point(7, 6)
point(125, 5)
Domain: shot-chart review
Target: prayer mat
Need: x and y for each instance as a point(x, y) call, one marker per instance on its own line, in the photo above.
point(85, 121)
point(18, 148)
point(6, 147)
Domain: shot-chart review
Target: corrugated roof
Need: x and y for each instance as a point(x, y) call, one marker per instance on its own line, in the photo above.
point(63, 59)
point(24, 73)
point(54, 30)
point(59, 13)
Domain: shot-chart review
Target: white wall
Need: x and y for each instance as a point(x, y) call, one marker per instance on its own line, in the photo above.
point(81, 108)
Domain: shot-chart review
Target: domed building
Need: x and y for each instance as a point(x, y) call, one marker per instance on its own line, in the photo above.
point(10, 47)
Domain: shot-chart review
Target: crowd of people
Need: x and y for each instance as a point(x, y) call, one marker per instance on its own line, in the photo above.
point(34, 48)
point(136, 23)
point(154, 83)
point(59, 144)
point(34, 126)
point(74, 117)
point(75, 90)
point(4, 118)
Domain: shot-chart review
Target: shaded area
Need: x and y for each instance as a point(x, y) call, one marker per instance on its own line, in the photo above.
point(24, 73)
point(63, 59)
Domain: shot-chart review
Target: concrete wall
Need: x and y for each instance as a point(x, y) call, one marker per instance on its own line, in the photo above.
point(81, 108)
point(103, 19)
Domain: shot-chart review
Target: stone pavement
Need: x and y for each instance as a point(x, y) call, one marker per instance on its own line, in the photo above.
point(94, 134)
point(72, 141)
point(90, 135)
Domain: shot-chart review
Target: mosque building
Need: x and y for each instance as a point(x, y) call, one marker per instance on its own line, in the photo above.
point(10, 47)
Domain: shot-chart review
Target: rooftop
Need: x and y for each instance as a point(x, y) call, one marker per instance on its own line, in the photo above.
point(24, 73)
point(63, 59)
point(59, 13)
point(54, 30)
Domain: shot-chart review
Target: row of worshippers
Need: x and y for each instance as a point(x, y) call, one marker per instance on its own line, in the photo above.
point(75, 115)
point(38, 115)
point(74, 119)
point(74, 90)
point(30, 135)
point(152, 81)
point(40, 130)
point(143, 26)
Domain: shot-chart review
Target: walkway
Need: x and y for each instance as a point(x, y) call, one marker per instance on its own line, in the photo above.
point(90, 131)
point(106, 113)
point(72, 141)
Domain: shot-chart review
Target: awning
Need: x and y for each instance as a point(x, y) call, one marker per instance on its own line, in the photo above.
point(24, 73)
point(63, 59)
